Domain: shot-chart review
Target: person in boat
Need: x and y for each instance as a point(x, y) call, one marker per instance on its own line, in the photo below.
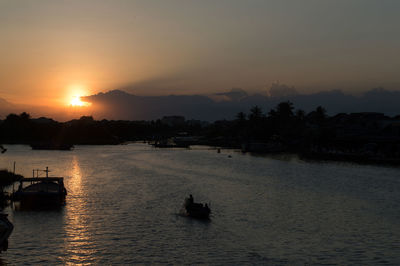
point(207, 208)
point(191, 200)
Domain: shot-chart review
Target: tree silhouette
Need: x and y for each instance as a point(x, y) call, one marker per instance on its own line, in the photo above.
point(16, 128)
point(284, 110)
point(255, 113)
point(318, 116)
point(321, 113)
point(25, 116)
point(281, 120)
point(241, 117)
point(300, 115)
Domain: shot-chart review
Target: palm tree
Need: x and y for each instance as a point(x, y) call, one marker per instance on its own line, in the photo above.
point(255, 113)
point(241, 117)
point(285, 110)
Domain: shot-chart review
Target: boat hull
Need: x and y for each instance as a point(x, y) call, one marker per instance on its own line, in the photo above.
point(6, 228)
point(196, 210)
point(46, 192)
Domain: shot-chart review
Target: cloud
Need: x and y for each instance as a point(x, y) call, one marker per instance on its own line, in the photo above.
point(155, 86)
point(281, 90)
point(122, 105)
point(235, 94)
point(118, 104)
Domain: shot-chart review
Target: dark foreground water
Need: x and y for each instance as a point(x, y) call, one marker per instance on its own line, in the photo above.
point(123, 208)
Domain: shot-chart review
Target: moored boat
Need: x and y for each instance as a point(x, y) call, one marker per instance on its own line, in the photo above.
point(169, 143)
point(41, 191)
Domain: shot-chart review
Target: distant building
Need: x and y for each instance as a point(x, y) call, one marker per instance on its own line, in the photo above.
point(173, 120)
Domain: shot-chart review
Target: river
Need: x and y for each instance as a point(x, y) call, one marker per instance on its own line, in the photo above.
point(123, 207)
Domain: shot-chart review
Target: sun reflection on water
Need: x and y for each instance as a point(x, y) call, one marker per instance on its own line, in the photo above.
point(80, 247)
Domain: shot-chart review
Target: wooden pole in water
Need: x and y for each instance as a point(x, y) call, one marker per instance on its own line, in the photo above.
point(14, 174)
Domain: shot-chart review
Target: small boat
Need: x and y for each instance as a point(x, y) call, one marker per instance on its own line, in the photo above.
point(169, 143)
point(196, 210)
point(6, 228)
point(41, 191)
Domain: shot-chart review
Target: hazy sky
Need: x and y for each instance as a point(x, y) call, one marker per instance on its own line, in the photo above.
point(52, 49)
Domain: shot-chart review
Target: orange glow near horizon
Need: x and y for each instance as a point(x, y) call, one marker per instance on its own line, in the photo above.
point(75, 94)
point(76, 101)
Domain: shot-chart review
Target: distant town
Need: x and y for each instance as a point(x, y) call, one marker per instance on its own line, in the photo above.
point(365, 137)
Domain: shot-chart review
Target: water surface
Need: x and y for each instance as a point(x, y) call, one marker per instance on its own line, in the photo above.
point(123, 207)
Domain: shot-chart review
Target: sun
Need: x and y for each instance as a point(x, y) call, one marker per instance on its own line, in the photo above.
point(76, 101)
point(76, 92)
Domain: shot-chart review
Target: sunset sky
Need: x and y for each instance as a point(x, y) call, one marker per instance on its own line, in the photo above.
point(53, 50)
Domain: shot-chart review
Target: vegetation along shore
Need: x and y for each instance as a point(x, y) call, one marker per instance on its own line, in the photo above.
point(362, 137)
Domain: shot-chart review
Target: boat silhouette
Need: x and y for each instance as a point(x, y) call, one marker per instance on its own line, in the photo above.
point(196, 210)
point(41, 191)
